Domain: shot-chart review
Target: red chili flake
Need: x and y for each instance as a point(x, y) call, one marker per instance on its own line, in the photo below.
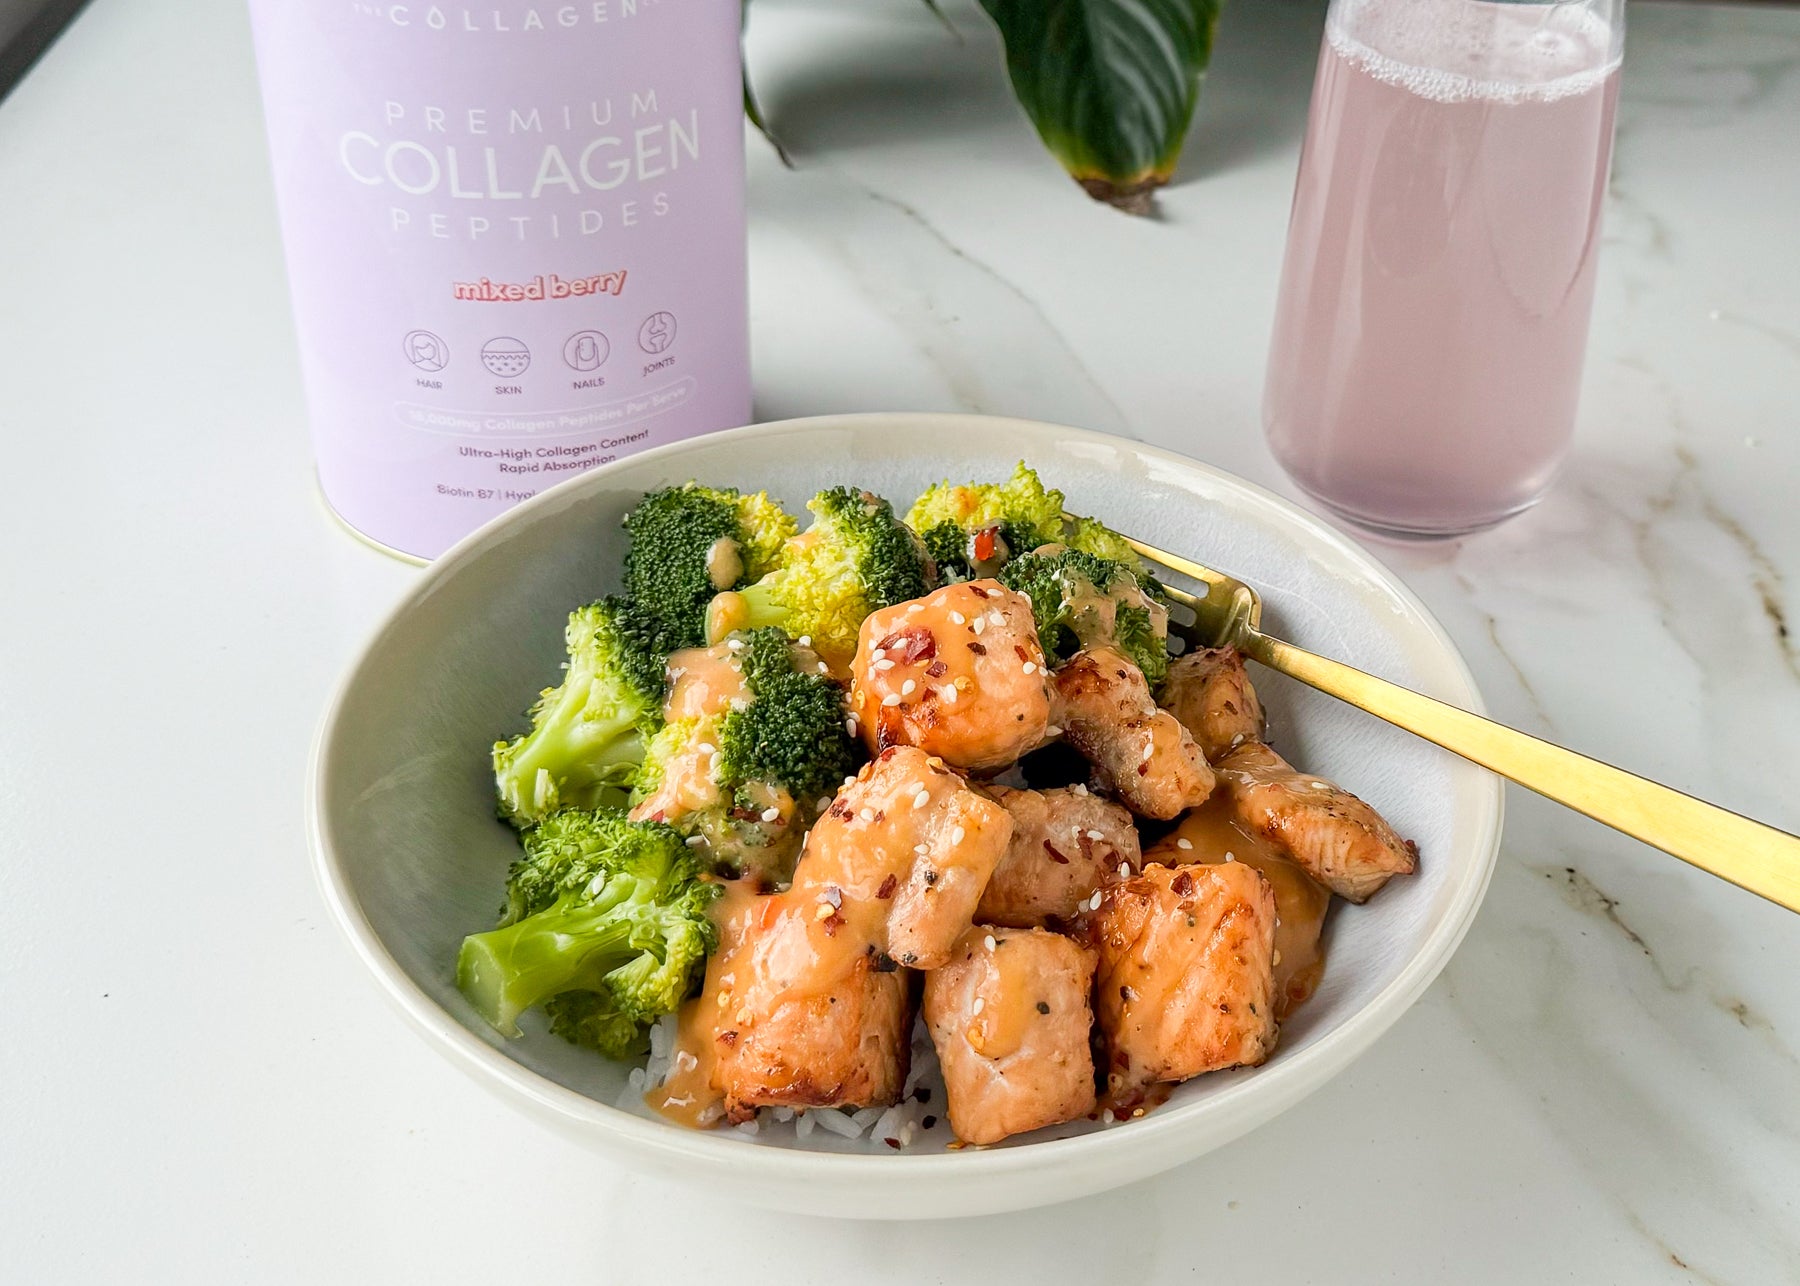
point(1182, 884)
point(1056, 857)
point(1023, 654)
point(884, 963)
point(728, 1038)
point(910, 646)
point(832, 923)
point(888, 886)
point(986, 544)
point(1224, 1007)
point(1126, 994)
point(1143, 770)
point(937, 669)
point(979, 592)
point(892, 1143)
point(977, 649)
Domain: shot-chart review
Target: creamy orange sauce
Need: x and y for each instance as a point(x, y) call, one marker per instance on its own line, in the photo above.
point(703, 681)
point(1214, 830)
point(1008, 1008)
point(724, 563)
point(1094, 613)
point(689, 1096)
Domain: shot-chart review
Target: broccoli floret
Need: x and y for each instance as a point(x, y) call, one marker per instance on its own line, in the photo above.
point(1080, 600)
point(748, 776)
point(1091, 536)
point(614, 931)
point(565, 851)
point(675, 562)
point(792, 734)
point(587, 733)
point(971, 530)
point(857, 556)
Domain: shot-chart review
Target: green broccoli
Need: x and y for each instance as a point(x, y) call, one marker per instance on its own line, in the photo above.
point(690, 542)
point(1091, 536)
point(1080, 600)
point(971, 530)
point(749, 776)
point(856, 557)
point(606, 925)
point(587, 733)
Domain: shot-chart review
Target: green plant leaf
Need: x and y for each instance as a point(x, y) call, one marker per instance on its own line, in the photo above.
point(1109, 84)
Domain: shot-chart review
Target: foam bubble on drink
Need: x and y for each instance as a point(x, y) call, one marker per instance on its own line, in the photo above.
point(1460, 50)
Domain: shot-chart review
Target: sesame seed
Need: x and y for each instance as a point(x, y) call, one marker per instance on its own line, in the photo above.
point(707, 748)
point(1094, 904)
point(949, 694)
point(736, 645)
point(980, 624)
point(805, 640)
point(1052, 730)
point(921, 849)
point(694, 841)
point(891, 699)
point(921, 799)
point(957, 618)
point(823, 668)
point(1184, 843)
point(1277, 959)
point(770, 814)
point(978, 1006)
point(1029, 667)
point(867, 814)
point(956, 834)
point(989, 942)
point(1095, 835)
point(1078, 789)
point(850, 727)
point(1231, 857)
point(996, 617)
point(1321, 785)
point(823, 803)
point(908, 688)
point(877, 654)
point(1108, 1116)
point(1124, 870)
point(850, 780)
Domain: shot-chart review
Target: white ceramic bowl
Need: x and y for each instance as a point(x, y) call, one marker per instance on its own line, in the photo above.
point(410, 857)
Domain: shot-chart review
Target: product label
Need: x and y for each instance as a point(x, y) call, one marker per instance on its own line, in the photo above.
point(515, 239)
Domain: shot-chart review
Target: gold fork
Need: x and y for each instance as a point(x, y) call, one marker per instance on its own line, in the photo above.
point(1733, 847)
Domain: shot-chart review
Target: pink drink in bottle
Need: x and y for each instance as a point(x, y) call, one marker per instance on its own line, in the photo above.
point(1441, 255)
point(515, 239)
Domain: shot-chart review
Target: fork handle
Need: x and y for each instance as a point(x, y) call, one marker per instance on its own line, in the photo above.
point(1751, 855)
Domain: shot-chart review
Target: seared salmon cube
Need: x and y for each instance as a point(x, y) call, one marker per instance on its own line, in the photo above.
point(1184, 984)
point(1010, 1019)
point(1065, 844)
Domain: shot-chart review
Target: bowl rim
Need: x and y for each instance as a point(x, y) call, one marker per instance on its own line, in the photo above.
point(1277, 1086)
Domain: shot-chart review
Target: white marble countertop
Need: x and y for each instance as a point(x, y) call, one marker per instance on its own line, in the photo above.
point(198, 1085)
